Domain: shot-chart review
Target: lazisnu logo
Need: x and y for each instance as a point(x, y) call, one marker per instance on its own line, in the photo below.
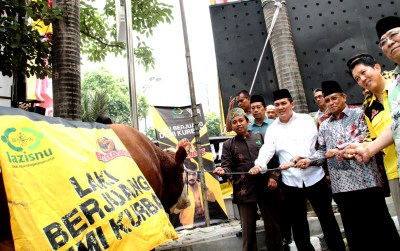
point(24, 144)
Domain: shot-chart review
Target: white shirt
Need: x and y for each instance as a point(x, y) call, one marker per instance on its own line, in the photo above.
point(297, 137)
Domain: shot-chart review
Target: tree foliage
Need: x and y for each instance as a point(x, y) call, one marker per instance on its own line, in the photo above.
point(25, 50)
point(104, 93)
point(213, 122)
point(99, 33)
point(151, 133)
point(103, 81)
point(143, 107)
point(94, 104)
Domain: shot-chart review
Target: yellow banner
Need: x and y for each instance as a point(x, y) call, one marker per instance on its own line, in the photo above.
point(73, 184)
point(174, 126)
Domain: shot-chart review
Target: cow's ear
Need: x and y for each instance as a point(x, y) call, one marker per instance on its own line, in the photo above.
point(180, 155)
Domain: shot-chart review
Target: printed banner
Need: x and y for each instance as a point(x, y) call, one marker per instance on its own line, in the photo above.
point(174, 126)
point(73, 185)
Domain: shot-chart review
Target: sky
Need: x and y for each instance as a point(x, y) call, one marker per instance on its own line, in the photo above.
point(167, 43)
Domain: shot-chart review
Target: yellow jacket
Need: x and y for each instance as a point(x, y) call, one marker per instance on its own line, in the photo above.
point(378, 117)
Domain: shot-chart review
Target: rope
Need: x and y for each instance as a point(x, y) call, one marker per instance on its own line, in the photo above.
point(274, 18)
point(232, 173)
point(366, 176)
point(237, 173)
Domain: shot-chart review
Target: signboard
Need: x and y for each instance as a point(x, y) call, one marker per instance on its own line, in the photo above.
point(174, 126)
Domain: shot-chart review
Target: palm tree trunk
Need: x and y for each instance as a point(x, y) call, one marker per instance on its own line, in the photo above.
point(66, 61)
point(286, 65)
point(18, 90)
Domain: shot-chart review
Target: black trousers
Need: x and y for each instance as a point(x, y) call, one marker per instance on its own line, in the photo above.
point(320, 198)
point(283, 215)
point(366, 220)
point(248, 218)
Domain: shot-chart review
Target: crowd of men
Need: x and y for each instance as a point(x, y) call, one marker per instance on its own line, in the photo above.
point(293, 158)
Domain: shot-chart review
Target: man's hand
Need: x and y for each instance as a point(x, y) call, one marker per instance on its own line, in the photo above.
point(255, 170)
point(286, 165)
point(332, 153)
point(219, 171)
point(272, 184)
point(24, 106)
point(359, 151)
point(303, 163)
point(231, 102)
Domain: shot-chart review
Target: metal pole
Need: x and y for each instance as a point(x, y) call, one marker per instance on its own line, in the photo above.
point(195, 116)
point(131, 69)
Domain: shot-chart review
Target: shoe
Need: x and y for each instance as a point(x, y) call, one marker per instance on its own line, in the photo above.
point(285, 244)
point(239, 234)
point(286, 241)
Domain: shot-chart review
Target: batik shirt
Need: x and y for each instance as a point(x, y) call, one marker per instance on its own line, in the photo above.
point(394, 103)
point(346, 175)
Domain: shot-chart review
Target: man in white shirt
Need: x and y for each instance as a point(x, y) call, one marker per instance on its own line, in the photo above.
point(292, 137)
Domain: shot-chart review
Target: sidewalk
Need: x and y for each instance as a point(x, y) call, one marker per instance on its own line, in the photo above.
point(222, 237)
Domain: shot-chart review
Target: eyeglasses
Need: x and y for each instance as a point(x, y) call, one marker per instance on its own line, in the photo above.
point(333, 98)
point(318, 97)
point(383, 43)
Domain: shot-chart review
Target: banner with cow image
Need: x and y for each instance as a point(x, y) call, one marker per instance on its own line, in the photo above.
point(73, 185)
point(174, 126)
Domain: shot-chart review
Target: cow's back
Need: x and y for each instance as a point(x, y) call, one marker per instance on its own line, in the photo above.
point(163, 171)
point(145, 154)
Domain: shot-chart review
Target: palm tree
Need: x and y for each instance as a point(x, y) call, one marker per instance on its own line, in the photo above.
point(94, 105)
point(286, 65)
point(66, 61)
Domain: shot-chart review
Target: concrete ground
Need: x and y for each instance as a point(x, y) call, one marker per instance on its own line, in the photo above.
point(222, 237)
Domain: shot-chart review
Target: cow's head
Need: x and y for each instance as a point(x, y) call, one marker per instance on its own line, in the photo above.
point(175, 184)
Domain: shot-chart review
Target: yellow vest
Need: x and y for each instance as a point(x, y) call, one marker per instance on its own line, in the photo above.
point(379, 122)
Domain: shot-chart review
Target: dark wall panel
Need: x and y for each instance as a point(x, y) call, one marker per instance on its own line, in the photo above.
point(325, 33)
point(239, 37)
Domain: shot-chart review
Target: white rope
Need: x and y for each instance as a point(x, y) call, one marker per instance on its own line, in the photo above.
point(274, 18)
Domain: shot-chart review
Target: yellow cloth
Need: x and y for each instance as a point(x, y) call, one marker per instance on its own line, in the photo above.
point(227, 190)
point(70, 182)
point(376, 127)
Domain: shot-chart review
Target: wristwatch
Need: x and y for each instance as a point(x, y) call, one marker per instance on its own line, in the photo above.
point(293, 160)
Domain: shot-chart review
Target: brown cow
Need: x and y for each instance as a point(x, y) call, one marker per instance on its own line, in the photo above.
point(163, 171)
